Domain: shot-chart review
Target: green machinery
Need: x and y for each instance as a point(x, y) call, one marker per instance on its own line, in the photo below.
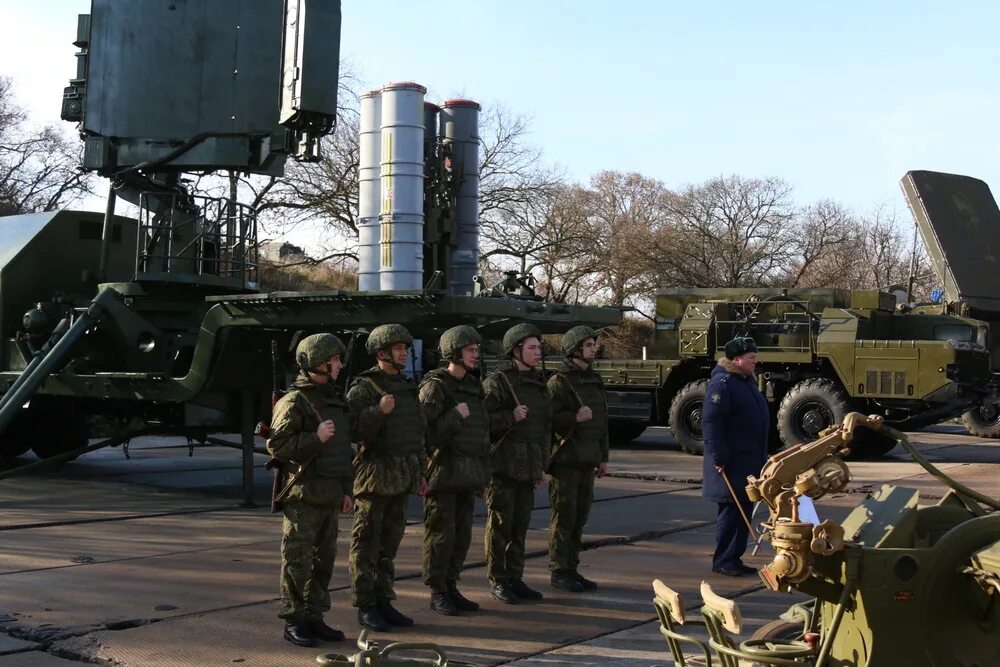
point(897, 583)
point(823, 353)
point(960, 224)
point(115, 326)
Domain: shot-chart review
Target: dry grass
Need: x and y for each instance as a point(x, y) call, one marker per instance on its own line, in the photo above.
point(275, 277)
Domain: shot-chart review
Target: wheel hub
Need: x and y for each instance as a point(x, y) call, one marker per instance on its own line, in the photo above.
point(694, 419)
point(813, 419)
point(989, 413)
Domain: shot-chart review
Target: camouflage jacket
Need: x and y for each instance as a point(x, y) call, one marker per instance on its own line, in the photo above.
point(295, 418)
point(393, 444)
point(519, 449)
point(463, 443)
point(586, 443)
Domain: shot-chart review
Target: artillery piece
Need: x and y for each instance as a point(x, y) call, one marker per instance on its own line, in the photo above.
point(896, 583)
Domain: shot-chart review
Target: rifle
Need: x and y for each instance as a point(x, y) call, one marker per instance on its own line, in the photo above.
point(293, 480)
point(264, 430)
point(432, 463)
point(363, 448)
point(496, 445)
point(563, 440)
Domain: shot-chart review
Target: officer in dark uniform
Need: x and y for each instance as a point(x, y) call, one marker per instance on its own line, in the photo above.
point(310, 425)
point(735, 423)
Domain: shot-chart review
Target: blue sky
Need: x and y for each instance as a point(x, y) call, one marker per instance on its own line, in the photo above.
point(837, 98)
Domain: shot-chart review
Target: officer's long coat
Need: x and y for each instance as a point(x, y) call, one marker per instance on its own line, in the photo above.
point(735, 423)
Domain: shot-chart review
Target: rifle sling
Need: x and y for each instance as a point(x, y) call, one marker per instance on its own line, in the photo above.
point(451, 397)
point(363, 446)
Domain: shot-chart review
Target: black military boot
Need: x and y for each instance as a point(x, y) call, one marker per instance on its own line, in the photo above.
point(392, 615)
point(442, 604)
point(565, 580)
point(324, 632)
point(369, 617)
point(461, 602)
point(299, 634)
point(503, 593)
point(522, 591)
point(587, 584)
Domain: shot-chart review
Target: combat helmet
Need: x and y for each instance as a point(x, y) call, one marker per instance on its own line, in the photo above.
point(516, 335)
point(385, 335)
point(454, 339)
point(574, 338)
point(317, 349)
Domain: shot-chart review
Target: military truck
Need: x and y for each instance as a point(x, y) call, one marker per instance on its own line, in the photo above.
point(117, 326)
point(960, 224)
point(822, 353)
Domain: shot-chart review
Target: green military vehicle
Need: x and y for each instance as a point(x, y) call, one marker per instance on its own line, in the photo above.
point(117, 326)
point(960, 224)
point(822, 353)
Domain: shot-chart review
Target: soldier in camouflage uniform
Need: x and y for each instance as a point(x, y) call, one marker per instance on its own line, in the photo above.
point(459, 467)
point(311, 427)
point(520, 431)
point(580, 450)
point(389, 466)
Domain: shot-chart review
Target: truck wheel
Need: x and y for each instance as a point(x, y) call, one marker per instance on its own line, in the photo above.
point(779, 629)
point(685, 417)
point(624, 432)
point(868, 444)
point(17, 439)
point(809, 407)
point(53, 437)
point(817, 404)
point(983, 421)
point(11, 447)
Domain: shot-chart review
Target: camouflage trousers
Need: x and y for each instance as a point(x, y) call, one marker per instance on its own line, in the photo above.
point(508, 507)
point(447, 536)
point(308, 551)
point(571, 493)
point(379, 523)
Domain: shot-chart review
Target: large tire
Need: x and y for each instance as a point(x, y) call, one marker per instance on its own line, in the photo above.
point(810, 407)
point(685, 417)
point(983, 421)
point(868, 444)
point(52, 437)
point(816, 404)
point(12, 447)
point(623, 432)
point(17, 439)
point(779, 628)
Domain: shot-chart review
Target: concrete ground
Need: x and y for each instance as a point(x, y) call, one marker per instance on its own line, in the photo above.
point(150, 560)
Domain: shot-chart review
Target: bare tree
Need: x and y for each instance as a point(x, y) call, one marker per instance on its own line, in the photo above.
point(325, 191)
point(889, 257)
point(826, 247)
point(625, 211)
point(512, 172)
point(727, 232)
point(39, 168)
point(547, 237)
